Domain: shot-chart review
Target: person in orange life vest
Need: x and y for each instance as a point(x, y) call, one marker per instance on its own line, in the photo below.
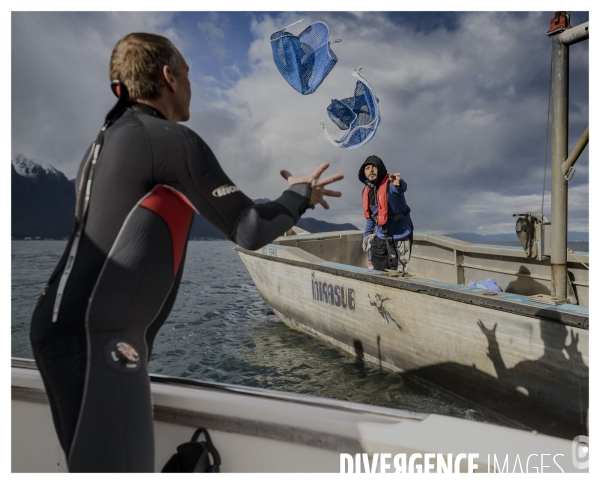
point(387, 214)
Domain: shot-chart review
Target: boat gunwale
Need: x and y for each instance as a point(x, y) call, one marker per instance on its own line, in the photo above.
point(576, 257)
point(290, 397)
point(568, 318)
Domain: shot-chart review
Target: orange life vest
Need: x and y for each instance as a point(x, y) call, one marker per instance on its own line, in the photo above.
point(382, 202)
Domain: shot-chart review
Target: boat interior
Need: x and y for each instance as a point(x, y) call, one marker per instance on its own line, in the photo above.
point(452, 261)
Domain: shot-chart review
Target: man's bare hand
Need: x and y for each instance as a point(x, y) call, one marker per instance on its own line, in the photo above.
point(396, 179)
point(318, 190)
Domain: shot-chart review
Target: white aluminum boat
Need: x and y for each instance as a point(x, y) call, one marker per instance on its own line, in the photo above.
point(520, 361)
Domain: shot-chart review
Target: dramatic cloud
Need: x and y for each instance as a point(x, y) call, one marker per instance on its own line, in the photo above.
point(60, 82)
point(463, 97)
point(464, 114)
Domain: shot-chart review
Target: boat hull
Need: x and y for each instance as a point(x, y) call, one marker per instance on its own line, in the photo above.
point(517, 361)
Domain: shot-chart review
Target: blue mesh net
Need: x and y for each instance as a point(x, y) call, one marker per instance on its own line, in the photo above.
point(359, 116)
point(304, 60)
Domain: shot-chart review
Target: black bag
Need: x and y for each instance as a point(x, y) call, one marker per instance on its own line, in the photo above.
point(193, 456)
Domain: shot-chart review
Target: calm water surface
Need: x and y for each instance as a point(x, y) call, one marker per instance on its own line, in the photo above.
point(221, 330)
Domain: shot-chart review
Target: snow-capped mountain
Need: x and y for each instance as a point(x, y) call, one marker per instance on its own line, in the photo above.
point(43, 200)
point(33, 169)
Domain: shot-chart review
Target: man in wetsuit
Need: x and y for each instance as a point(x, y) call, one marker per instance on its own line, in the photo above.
point(138, 187)
point(389, 225)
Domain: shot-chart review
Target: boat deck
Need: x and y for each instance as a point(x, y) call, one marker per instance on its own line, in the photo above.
point(439, 259)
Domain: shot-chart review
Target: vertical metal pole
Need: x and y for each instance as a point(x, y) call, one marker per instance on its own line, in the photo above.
point(560, 131)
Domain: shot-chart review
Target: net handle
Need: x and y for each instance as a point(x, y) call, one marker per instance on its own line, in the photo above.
point(291, 25)
point(324, 131)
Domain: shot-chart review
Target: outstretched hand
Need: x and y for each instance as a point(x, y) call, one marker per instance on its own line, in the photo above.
point(318, 190)
point(396, 179)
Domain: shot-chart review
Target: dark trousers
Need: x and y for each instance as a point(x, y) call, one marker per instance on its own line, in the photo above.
point(379, 253)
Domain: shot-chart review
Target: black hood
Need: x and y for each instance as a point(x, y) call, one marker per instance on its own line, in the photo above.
point(381, 169)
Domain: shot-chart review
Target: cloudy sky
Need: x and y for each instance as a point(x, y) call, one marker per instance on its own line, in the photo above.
point(463, 100)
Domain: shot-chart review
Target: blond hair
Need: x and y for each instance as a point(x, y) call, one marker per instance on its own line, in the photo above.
point(138, 60)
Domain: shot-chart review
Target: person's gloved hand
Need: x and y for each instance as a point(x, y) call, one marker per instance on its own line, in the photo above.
point(366, 245)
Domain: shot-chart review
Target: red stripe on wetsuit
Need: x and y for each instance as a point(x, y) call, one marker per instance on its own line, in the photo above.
point(177, 214)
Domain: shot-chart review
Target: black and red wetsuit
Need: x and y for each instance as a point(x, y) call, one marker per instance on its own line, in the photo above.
point(93, 327)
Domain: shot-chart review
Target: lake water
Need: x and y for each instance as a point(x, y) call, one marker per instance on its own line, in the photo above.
point(221, 330)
